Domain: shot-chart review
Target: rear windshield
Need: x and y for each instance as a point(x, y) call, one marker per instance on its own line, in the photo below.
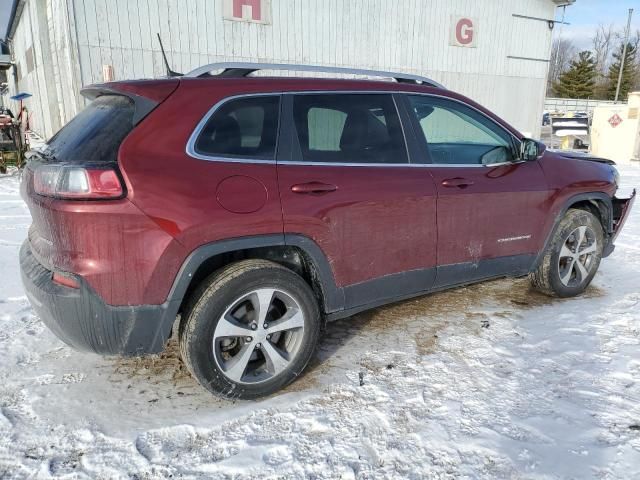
point(95, 134)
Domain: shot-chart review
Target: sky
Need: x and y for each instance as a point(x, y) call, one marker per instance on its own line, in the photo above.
point(585, 16)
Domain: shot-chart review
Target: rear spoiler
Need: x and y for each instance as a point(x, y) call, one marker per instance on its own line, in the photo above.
point(145, 94)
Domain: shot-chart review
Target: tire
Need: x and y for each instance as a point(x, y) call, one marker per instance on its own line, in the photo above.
point(223, 337)
point(561, 272)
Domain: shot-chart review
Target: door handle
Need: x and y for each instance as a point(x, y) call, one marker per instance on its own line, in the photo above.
point(457, 182)
point(314, 188)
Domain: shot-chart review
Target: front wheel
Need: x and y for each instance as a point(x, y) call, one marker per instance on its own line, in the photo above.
point(572, 257)
point(251, 329)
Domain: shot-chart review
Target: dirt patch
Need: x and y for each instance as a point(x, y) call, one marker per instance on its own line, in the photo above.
point(523, 295)
point(426, 344)
point(308, 379)
point(436, 307)
point(423, 318)
point(156, 368)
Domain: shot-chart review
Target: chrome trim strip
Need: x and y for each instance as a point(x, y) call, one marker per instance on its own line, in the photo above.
point(190, 147)
point(398, 76)
point(380, 165)
point(345, 164)
point(232, 160)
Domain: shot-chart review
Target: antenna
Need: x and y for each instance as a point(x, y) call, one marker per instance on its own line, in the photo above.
point(170, 73)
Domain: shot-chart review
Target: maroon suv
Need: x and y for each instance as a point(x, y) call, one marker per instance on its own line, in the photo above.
point(246, 211)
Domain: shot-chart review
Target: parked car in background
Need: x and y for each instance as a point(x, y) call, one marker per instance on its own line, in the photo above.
point(275, 204)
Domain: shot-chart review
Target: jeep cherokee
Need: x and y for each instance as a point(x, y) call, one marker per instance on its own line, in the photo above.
point(246, 211)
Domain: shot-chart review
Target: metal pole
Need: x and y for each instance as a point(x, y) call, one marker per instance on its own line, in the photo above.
point(624, 54)
point(555, 61)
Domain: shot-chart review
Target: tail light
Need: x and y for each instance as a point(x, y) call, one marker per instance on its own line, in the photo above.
point(77, 183)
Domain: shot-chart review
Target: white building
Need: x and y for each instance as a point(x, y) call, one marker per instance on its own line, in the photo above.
point(495, 51)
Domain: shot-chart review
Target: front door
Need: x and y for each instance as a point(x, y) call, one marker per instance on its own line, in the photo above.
point(346, 183)
point(491, 207)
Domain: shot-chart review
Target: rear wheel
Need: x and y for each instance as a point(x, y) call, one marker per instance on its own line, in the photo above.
point(572, 257)
point(251, 329)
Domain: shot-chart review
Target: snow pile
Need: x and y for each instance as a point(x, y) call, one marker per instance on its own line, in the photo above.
point(490, 381)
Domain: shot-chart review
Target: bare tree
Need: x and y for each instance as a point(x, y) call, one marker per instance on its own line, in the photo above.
point(602, 42)
point(562, 52)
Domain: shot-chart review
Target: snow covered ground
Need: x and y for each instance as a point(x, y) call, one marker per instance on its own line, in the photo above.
point(490, 381)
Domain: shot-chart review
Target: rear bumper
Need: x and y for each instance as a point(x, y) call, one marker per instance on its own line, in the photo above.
point(82, 320)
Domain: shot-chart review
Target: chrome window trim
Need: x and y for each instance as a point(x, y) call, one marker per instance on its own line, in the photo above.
point(190, 147)
point(379, 165)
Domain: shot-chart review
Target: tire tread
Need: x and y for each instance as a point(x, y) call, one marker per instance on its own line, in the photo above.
point(542, 278)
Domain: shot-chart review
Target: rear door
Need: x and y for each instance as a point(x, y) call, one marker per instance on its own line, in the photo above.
point(491, 207)
point(346, 183)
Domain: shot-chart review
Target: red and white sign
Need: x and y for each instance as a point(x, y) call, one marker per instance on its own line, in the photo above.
point(256, 11)
point(464, 31)
point(615, 120)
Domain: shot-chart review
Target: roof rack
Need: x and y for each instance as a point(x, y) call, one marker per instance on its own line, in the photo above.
point(243, 69)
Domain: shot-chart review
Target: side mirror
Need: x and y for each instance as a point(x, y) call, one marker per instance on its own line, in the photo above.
point(423, 111)
point(529, 150)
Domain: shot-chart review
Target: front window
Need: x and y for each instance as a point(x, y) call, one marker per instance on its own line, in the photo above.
point(456, 134)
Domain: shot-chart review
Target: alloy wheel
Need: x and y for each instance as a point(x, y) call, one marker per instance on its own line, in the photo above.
point(258, 335)
point(577, 256)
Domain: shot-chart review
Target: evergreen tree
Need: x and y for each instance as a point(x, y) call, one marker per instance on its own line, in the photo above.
point(580, 80)
point(628, 72)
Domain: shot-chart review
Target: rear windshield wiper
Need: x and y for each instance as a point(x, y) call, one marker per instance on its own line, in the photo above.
point(40, 154)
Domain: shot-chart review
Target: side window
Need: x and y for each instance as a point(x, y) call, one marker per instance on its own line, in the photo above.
point(349, 128)
point(325, 128)
point(244, 127)
point(456, 134)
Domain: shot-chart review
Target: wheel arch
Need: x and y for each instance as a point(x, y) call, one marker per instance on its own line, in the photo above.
point(598, 203)
point(296, 252)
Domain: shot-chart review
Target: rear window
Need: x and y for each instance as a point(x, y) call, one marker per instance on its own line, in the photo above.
point(243, 128)
point(349, 128)
point(95, 134)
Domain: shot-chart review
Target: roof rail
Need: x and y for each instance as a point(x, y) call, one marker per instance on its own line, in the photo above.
point(243, 69)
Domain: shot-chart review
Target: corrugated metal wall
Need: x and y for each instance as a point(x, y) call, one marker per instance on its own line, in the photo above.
point(409, 36)
point(46, 64)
